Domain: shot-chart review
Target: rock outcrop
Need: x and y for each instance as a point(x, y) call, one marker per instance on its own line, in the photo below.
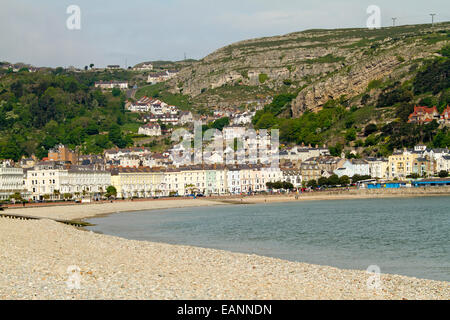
point(319, 64)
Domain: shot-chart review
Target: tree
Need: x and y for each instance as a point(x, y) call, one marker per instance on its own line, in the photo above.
point(190, 188)
point(111, 191)
point(323, 181)
point(312, 184)
point(333, 180)
point(219, 124)
point(67, 196)
point(17, 197)
point(356, 178)
point(336, 150)
point(369, 129)
point(11, 150)
point(350, 135)
point(115, 92)
point(91, 65)
point(344, 180)
point(115, 136)
point(57, 194)
point(266, 121)
point(443, 174)
point(287, 185)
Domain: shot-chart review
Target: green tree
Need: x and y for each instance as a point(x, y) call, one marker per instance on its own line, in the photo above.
point(443, 174)
point(344, 180)
point(336, 150)
point(333, 180)
point(115, 136)
point(266, 121)
point(17, 197)
point(115, 92)
point(350, 135)
point(369, 129)
point(111, 191)
point(322, 181)
point(312, 184)
point(219, 124)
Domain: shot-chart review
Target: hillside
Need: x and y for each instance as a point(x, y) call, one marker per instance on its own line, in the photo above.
point(41, 109)
point(321, 64)
point(351, 89)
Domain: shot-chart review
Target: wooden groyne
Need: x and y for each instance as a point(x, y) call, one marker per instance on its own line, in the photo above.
point(74, 223)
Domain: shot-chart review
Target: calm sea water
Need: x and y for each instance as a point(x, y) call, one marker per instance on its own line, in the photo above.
point(402, 236)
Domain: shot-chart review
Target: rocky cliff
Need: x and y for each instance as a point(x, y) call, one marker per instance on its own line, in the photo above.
point(319, 65)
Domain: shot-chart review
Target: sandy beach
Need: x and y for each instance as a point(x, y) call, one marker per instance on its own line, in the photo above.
point(36, 255)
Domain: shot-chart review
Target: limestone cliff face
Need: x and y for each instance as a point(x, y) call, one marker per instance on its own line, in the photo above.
point(355, 79)
point(319, 64)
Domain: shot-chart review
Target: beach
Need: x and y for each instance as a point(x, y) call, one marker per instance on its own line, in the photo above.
point(83, 211)
point(36, 255)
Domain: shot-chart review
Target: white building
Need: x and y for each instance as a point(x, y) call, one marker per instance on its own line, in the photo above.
point(144, 67)
point(11, 181)
point(232, 132)
point(293, 176)
point(378, 167)
point(54, 182)
point(186, 117)
point(234, 181)
point(300, 154)
point(150, 129)
point(352, 167)
point(111, 84)
point(242, 118)
point(443, 164)
point(117, 154)
point(158, 77)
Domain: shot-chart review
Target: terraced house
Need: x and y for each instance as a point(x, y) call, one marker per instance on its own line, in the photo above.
point(216, 181)
point(401, 163)
point(11, 181)
point(52, 180)
point(137, 182)
point(423, 166)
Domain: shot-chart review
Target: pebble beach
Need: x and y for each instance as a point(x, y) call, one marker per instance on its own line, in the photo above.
point(36, 256)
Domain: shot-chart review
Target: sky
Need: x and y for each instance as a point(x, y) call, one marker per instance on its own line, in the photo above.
point(134, 31)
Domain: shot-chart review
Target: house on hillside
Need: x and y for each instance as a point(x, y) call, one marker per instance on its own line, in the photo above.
point(150, 129)
point(445, 117)
point(111, 85)
point(186, 117)
point(113, 67)
point(144, 67)
point(424, 115)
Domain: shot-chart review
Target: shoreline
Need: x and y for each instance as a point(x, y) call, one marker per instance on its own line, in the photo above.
point(36, 256)
point(80, 212)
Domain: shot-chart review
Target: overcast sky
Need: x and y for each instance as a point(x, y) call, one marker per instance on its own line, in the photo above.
point(113, 32)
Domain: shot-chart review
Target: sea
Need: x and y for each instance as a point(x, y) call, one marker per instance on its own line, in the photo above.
point(406, 236)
